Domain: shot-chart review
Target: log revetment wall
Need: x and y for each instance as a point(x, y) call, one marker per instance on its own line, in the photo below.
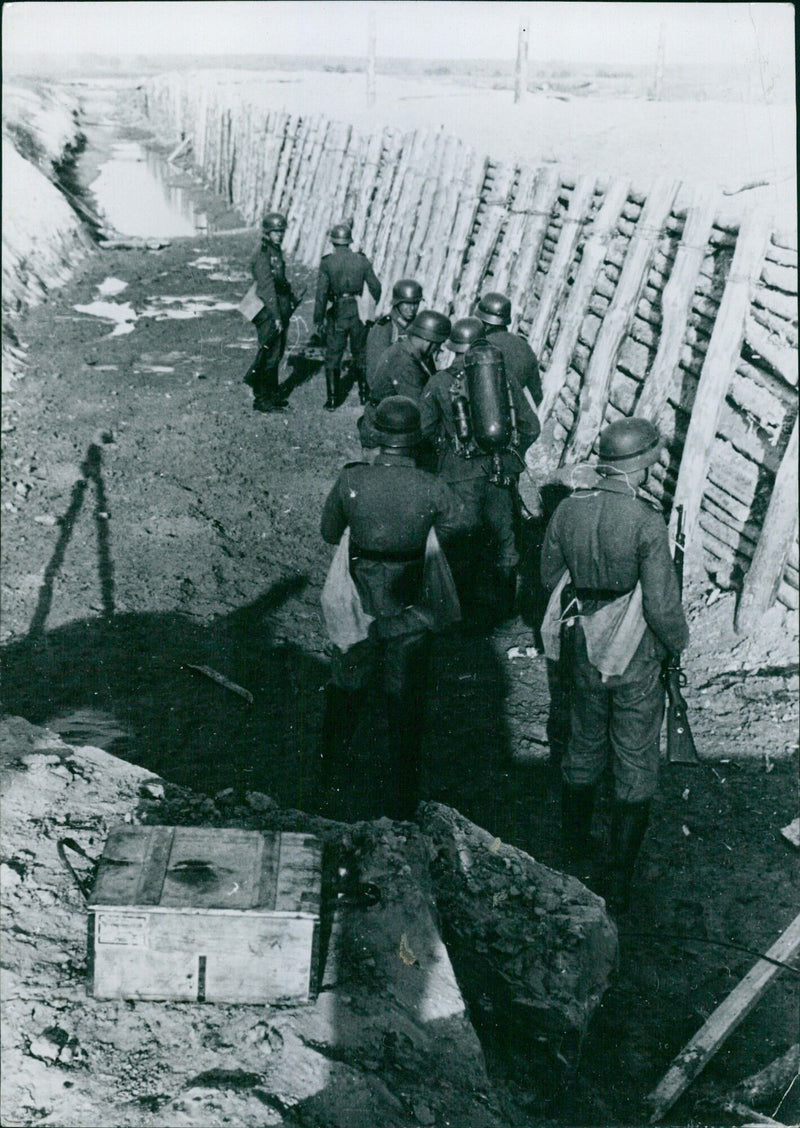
point(634, 306)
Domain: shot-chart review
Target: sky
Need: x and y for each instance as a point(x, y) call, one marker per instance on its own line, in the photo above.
point(601, 32)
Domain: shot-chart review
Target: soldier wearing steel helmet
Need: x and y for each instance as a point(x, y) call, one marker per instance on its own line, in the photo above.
point(466, 468)
point(272, 322)
point(604, 547)
point(494, 310)
point(406, 299)
point(405, 367)
point(389, 505)
point(342, 276)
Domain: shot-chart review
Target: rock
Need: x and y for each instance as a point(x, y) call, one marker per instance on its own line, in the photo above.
point(33, 760)
point(47, 519)
point(542, 957)
point(49, 1044)
point(260, 802)
point(152, 790)
point(422, 1112)
point(9, 877)
point(226, 796)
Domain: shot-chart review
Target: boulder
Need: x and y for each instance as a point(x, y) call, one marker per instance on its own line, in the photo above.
point(533, 949)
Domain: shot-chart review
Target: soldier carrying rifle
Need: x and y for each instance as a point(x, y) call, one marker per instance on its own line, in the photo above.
point(616, 612)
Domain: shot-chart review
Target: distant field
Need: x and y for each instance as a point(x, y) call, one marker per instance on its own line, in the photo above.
point(719, 82)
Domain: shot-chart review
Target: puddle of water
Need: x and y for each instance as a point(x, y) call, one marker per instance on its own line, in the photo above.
point(133, 192)
point(184, 307)
point(122, 313)
point(110, 287)
point(90, 726)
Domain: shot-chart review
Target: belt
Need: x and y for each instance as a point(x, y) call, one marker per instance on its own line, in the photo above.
point(385, 557)
point(338, 297)
point(599, 595)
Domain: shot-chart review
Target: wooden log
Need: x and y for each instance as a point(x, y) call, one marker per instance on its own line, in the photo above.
point(545, 191)
point(772, 552)
point(783, 278)
point(465, 220)
point(785, 331)
point(781, 360)
point(781, 256)
point(433, 252)
point(488, 233)
point(581, 292)
point(724, 1020)
point(782, 305)
point(720, 361)
point(576, 217)
point(615, 324)
point(370, 165)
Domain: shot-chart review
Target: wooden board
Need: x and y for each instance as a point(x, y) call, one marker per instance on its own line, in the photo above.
point(724, 1020)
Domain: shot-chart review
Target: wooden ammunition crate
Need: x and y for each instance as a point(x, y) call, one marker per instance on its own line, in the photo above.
point(208, 915)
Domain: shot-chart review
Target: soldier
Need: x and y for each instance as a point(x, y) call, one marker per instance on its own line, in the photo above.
point(405, 367)
point(390, 506)
point(494, 310)
point(272, 322)
point(406, 298)
point(466, 468)
point(341, 279)
point(607, 544)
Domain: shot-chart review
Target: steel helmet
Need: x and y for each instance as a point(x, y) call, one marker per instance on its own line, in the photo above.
point(397, 422)
point(341, 234)
point(467, 331)
point(630, 444)
point(494, 309)
point(430, 326)
point(273, 221)
point(406, 290)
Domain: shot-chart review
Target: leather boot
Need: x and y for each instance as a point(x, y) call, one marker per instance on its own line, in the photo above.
point(577, 808)
point(628, 826)
point(330, 387)
point(338, 726)
point(405, 743)
point(507, 585)
point(363, 389)
point(271, 388)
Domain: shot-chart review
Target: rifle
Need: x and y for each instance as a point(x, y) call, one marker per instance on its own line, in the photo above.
point(680, 742)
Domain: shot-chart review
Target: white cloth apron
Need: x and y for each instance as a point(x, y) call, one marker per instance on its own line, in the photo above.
point(612, 633)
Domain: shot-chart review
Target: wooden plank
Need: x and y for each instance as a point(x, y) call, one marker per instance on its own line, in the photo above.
point(772, 551)
point(721, 357)
point(724, 1020)
point(676, 302)
point(633, 276)
point(211, 868)
point(120, 867)
point(571, 231)
point(573, 314)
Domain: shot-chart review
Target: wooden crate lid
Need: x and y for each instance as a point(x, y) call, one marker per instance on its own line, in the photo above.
point(209, 868)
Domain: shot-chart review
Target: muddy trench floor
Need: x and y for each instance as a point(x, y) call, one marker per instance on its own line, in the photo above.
point(152, 521)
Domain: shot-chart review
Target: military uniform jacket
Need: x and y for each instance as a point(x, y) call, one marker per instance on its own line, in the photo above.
point(382, 335)
point(608, 540)
point(272, 286)
point(390, 506)
point(520, 360)
point(341, 279)
point(399, 374)
point(437, 424)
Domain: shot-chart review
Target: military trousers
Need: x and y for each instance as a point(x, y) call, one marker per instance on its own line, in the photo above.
point(618, 722)
point(490, 507)
point(337, 335)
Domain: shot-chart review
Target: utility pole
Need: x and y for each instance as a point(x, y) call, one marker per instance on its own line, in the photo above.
point(658, 82)
point(521, 69)
point(371, 58)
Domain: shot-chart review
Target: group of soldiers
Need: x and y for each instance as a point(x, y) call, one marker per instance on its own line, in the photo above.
point(438, 466)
